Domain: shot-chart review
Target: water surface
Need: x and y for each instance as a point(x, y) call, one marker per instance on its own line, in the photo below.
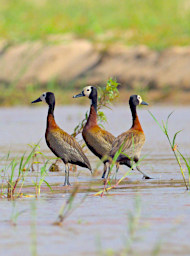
point(100, 225)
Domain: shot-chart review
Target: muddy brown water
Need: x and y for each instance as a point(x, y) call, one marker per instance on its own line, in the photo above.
point(99, 226)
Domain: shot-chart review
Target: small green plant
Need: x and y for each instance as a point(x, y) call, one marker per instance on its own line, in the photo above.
point(40, 178)
point(174, 147)
point(106, 96)
point(21, 166)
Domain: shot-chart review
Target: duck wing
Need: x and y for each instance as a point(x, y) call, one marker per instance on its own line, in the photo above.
point(131, 143)
point(67, 148)
point(98, 141)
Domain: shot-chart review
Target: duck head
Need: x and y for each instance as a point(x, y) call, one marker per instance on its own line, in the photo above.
point(136, 100)
point(47, 97)
point(88, 91)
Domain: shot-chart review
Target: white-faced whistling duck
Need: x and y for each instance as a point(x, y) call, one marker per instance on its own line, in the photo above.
point(61, 143)
point(98, 140)
point(132, 140)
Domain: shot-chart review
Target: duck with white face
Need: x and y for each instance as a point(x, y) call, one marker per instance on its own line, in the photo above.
point(132, 140)
point(98, 140)
point(61, 143)
point(41, 98)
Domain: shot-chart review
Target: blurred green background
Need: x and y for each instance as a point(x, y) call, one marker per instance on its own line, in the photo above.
point(155, 23)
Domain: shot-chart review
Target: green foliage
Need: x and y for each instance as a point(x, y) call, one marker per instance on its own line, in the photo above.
point(40, 178)
point(157, 23)
point(106, 96)
point(174, 147)
point(20, 167)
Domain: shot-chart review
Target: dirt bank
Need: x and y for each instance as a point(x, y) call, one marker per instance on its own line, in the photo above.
point(72, 61)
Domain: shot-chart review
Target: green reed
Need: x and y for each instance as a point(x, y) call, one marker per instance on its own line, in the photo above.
point(172, 142)
point(40, 179)
point(20, 167)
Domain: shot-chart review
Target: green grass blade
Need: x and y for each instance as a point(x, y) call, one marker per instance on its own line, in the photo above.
point(174, 138)
point(48, 185)
point(156, 121)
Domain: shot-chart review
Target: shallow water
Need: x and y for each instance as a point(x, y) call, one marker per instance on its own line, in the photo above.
point(100, 225)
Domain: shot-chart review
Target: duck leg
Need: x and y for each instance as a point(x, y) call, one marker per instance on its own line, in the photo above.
point(108, 172)
point(65, 182)
point(105, 170)
point(68, 183)
point(117, 169)
point(144, 175)
point(66, 175)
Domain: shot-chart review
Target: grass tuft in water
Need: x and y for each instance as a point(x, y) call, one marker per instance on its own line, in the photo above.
point(172, 142)
point(20, 167)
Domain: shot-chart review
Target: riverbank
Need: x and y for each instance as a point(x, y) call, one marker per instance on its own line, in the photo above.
point(24, 96)
point(68, 65)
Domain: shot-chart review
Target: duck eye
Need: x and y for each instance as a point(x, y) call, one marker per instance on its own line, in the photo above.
point(88, 90)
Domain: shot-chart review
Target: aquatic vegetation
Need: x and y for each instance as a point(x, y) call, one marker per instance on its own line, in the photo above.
point(175, 149)
point(108, 183)
point(40, 178)
point(20, 167)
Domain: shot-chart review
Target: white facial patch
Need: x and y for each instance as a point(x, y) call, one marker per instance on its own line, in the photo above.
point(43, 97)
point(87, 90)
point(139, 99)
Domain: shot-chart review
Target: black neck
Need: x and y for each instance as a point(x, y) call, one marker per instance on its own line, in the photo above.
point(133, 112)
point(94, 102)
point(51, 109)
